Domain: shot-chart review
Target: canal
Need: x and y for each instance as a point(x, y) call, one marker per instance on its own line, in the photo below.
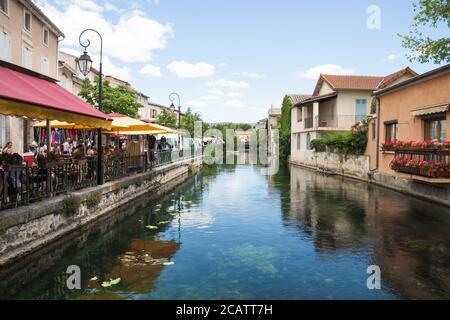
point(230, 232)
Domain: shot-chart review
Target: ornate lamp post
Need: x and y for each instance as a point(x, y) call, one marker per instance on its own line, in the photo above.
point(173, 109)
point(85, 64)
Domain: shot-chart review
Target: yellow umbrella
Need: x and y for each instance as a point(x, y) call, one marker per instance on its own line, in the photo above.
point(132, 126)
point(162, 128)
point(136, 133)
point(62, 125)
point(66, 125)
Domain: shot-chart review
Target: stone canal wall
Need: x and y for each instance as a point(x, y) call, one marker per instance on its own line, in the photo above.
point(358, 167)
point(26, 229)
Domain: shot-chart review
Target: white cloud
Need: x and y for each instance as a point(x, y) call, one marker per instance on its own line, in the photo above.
point(314, 73)
point(196, 104)
point(111, 7)
point(210, 98)
point(215, 91)
point(133, 38)
point(222, 83)
point(249, 74)
point(151, 70)
point(223, 64)
point(234, 94)
point(235, 104)
point(394, 56)
point(183, 69)
point(109, 68)
point(71, 51)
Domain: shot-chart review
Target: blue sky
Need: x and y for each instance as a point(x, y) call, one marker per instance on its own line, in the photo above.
point(231, 59)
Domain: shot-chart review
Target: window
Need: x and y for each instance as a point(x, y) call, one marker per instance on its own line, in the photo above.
point(27, 58)
point(44, 66)
point(5, 46)
point(361, 109)
point(4, 6)
point(308, 141)
point(299, 114)
point(65, 82)
point(435, 129)
point(299, 141)
point(27, 21)
point(391, 131)
point(154, 113)
point(45, 37)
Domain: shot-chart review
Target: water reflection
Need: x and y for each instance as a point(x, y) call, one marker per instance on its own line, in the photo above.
point(408, 238)
point(232, 233)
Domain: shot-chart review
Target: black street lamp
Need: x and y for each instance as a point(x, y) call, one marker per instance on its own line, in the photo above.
point(85, 64)
point(173, 109)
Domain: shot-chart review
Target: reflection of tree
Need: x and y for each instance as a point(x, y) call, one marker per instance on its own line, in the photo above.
point(330, 209)
point(280, 182)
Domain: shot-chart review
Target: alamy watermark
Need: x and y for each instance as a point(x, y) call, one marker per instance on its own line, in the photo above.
point(73, 281)
point(374, 19)
point(253, 146)
point(374, 280)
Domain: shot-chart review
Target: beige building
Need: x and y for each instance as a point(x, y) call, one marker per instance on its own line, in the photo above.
point(414, 110)
point(69, 74)
point(337, 103)
point(28, 39)
point(272, 124)
point(151, 110)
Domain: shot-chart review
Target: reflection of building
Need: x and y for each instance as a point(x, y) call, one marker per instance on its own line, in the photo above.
point(28, 39)
point(141, 265)
point(385, 228)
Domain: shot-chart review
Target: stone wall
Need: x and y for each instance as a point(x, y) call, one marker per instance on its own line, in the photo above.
point(26, 229)
point(357, 166)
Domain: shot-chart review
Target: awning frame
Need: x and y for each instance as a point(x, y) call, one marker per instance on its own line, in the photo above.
point(429, 110)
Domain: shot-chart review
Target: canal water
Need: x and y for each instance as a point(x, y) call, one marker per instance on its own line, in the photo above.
point(230, 232)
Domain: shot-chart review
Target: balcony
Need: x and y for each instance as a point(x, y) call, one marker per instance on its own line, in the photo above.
point(331, 122)
point(309, 123)
point(432, 165)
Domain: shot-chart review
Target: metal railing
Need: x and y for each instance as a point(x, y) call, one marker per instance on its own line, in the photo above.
point(21, 185)
point(426, 163)
point(332, 121)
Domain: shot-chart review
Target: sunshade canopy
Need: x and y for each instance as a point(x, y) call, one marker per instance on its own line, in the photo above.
point(66, 125)
point(136, 127)
point(25, 93)
point(136, 133)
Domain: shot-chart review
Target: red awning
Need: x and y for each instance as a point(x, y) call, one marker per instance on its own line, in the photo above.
point(28, 94)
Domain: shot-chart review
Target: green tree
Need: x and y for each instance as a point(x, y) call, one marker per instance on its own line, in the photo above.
point(188, 121)
point(167, 119)
point(432, 14)
point(120, 99)
point(284, 124)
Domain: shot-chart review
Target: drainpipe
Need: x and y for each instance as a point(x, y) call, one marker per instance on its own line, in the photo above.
point(378, 134)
